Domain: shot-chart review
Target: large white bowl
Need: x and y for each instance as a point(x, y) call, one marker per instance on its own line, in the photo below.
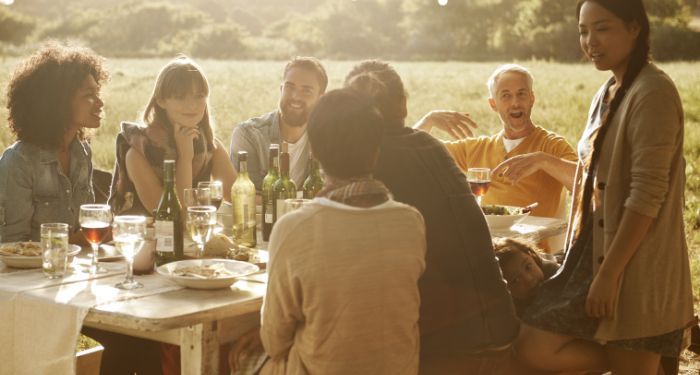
point(506, 221)
point(237, 269)
point(21, 261)
point(503, 221)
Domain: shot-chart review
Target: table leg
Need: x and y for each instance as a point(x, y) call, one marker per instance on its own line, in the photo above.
point(199, 349)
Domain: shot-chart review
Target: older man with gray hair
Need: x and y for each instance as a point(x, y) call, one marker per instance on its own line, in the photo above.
point(528, 163)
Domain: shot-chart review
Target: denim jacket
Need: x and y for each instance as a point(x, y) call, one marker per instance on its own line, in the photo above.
point(34, 189)
point(255, 136)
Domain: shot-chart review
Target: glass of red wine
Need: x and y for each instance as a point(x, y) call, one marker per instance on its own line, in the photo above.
point(479, 180)
point(95, 221)
point(216, 191)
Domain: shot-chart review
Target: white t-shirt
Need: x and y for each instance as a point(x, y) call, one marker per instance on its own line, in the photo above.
point(510, 144)
point(296, 169)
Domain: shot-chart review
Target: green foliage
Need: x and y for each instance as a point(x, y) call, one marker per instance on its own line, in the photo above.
point(219, 42)
point(475, 30)
point(14, 27)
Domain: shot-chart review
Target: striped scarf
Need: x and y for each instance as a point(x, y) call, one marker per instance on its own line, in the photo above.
point(358, 192)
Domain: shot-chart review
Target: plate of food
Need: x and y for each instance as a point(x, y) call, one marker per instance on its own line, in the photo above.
point(27, 254)
point(504, 217)
point(206, 273)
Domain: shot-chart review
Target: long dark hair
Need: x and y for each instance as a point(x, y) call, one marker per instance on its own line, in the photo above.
point(178, 77)
point(628, 11)
point(383, 84)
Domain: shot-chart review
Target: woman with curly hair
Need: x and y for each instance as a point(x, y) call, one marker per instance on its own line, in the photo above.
point(53, 97)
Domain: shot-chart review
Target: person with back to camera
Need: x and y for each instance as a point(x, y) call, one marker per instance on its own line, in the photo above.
point(467, 320)
point(623, 297)
point(342, 295)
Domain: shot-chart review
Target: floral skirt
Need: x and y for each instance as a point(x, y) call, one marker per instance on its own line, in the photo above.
point(560, 304)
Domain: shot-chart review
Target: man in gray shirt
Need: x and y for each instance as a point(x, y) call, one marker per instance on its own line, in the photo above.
point(304, 82)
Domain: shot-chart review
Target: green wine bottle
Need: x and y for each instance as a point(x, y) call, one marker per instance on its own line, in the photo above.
point(284, 187)
point(314, 182)
point(243, 202)
point(268, 194)
point(168, 219)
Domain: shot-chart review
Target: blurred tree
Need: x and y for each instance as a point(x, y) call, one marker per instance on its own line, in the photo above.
point(219, 42)
point(15, 28)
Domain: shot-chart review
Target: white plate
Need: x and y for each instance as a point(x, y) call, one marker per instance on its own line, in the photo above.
point(503, 221)
point(236, 268)
point(19, 261)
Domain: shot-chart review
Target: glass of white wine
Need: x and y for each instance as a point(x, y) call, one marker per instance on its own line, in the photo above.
point(201, 221)
point(129, 232)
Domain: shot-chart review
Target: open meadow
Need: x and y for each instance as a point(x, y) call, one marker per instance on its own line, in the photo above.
point(242, 89)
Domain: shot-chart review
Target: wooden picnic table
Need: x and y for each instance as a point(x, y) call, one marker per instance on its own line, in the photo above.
point(199, 321)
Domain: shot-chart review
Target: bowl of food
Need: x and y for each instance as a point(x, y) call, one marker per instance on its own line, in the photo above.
point(206, 273)
point(28, 254)
point(503, 217)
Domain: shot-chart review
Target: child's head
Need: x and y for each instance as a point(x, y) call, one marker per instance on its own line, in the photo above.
point(521, 266)
point(180, 95)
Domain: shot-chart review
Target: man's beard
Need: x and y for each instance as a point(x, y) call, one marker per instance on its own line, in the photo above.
point(294, 119)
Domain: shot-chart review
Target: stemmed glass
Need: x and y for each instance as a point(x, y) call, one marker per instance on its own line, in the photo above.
point(129, 232)
point(201, 221)
point(94, 223)
point(479, 180)
point(216, 191)
point(196, 197)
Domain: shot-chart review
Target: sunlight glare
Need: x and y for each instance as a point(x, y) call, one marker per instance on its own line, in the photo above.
point(442, 3)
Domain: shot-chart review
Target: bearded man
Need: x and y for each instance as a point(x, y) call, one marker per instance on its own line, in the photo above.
point(304, 82)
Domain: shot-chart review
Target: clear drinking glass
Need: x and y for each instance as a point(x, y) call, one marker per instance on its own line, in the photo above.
point(479, 180)
point(196, 197)
point(129, 233)
point(54, 249)
point(94, 223)
point(216, 191)
point(201, 221)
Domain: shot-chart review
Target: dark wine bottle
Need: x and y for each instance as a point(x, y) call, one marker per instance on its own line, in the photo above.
point(284, 187)
point(268, 194)
point(314, 182)
point(168, 219)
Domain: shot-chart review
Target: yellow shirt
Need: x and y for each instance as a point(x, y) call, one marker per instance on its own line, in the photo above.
point(488, 152)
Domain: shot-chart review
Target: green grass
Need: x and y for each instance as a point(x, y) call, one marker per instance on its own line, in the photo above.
point(240, 90)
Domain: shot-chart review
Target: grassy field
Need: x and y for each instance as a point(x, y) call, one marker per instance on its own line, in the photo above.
point(240, 90)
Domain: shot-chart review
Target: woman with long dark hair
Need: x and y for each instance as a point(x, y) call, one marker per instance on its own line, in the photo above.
point(623, 297)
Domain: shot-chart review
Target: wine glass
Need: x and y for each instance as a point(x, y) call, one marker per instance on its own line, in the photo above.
point(94, 223)
point(479, 180)
point(201, 221)
point(197, 197)
point(129, 232)
point(216, 191)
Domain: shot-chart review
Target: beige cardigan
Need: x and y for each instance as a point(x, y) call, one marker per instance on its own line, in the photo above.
point(642, 168)
point(342, 295)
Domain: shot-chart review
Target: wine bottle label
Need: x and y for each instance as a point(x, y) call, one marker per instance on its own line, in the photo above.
point(280, 208)
point(268, 213)
point(165, 236)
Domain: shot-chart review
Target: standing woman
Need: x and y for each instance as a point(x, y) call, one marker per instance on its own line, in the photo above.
point(53, 98)
point(177, 127)
point(626, 279)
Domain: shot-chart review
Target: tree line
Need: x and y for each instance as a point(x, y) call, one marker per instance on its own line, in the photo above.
point(470, 30)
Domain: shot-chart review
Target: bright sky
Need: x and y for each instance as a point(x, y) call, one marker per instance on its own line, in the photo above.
point(7, 2)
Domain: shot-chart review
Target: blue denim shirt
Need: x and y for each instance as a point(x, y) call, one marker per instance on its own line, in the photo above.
point(34, 189)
